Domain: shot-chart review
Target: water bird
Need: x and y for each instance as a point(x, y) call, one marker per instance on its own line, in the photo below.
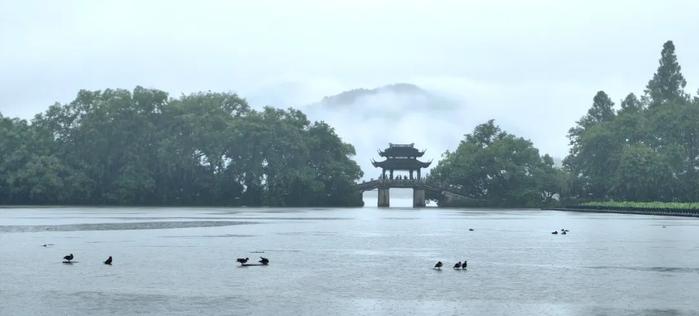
point(68, 258)
point(242, 260)
point(264, 261)
point(464, 265)
point(438, 265)
point(457, 265)
point(108, 261)
point(470, 229)
point(555, 232)
point(564, 232)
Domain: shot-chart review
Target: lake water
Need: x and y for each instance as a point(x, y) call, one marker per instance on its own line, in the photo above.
point(354, 261)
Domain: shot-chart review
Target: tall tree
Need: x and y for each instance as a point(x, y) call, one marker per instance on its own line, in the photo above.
point(668, 83)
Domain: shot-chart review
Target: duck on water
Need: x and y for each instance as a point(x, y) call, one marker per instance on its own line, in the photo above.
point(243, 262)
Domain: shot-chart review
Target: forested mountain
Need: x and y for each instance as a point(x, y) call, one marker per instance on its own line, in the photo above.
point(143, 147)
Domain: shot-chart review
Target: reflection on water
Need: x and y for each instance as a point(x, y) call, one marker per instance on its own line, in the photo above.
point(170, 261)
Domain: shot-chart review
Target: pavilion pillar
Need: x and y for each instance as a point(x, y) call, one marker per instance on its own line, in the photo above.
point(391, 171)
point(418, 174)
point(418, 197)
point(411, 174)
point(384, 198)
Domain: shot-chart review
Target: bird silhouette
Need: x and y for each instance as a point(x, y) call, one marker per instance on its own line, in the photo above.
point(108, 261)
point(438, 265)
point(554, 232)
point(464, 265)
point(457, 265)
point(68, 258)
point(264, 261)
point(242, 260)
point(470, 229)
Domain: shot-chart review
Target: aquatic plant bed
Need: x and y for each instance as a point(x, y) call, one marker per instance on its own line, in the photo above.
point(646, 208)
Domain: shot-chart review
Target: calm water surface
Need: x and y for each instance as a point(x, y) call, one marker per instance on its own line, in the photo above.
point(171, 261)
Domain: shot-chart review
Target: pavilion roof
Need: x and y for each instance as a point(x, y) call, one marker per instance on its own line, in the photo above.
point(401, 164)
point(401, 150)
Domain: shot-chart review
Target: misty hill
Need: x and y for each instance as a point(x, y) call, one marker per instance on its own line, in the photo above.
point(391, 98)
point(369, 119)
point(354, 95)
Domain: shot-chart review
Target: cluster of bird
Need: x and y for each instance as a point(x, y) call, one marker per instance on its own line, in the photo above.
point(563, 231)
point(244, 262)
point(457, 266)
point(69, 259)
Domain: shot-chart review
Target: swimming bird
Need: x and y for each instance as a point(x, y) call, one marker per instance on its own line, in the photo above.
point(242, 260)
point(555, 232)
point(438, 265)
point(264, 261)
point(464, 265)
point(68, 258)
point(470, 229)
point(108, 261)
point(563, 233)
point(457, 265)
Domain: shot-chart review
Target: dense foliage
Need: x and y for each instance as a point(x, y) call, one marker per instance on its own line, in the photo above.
point(142, 147)
point(493, 168)
point(646, 150)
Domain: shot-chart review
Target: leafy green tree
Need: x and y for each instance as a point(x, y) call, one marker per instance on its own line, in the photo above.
point(142, 147)
point(668, 83)
point(631, 104)
point(495, 168)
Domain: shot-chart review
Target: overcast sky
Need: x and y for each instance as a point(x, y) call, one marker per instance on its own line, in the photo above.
point(533, 66)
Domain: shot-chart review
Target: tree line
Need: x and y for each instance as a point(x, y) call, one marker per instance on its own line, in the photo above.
point(647, 149)
point(143, 147)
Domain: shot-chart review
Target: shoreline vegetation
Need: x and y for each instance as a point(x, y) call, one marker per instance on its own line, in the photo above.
point(142, 147)
point(630, 207)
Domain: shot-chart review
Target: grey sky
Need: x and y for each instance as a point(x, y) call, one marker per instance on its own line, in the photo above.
point(533, 66)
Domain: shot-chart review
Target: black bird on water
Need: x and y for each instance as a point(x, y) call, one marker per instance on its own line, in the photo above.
point(555, 232)
point(464, 265)
point(457, 265)
point(108, 261)
point(438, 265)
point(264, 261)
point(68, 258)
point(242, 260)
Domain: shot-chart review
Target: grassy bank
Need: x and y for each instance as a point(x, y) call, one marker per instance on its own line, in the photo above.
point(647, 208)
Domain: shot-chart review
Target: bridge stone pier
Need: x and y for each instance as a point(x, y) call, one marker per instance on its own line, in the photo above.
point(384, 197)
point(418, 197)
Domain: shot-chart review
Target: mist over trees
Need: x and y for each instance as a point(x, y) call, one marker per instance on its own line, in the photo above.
point(142, 147)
